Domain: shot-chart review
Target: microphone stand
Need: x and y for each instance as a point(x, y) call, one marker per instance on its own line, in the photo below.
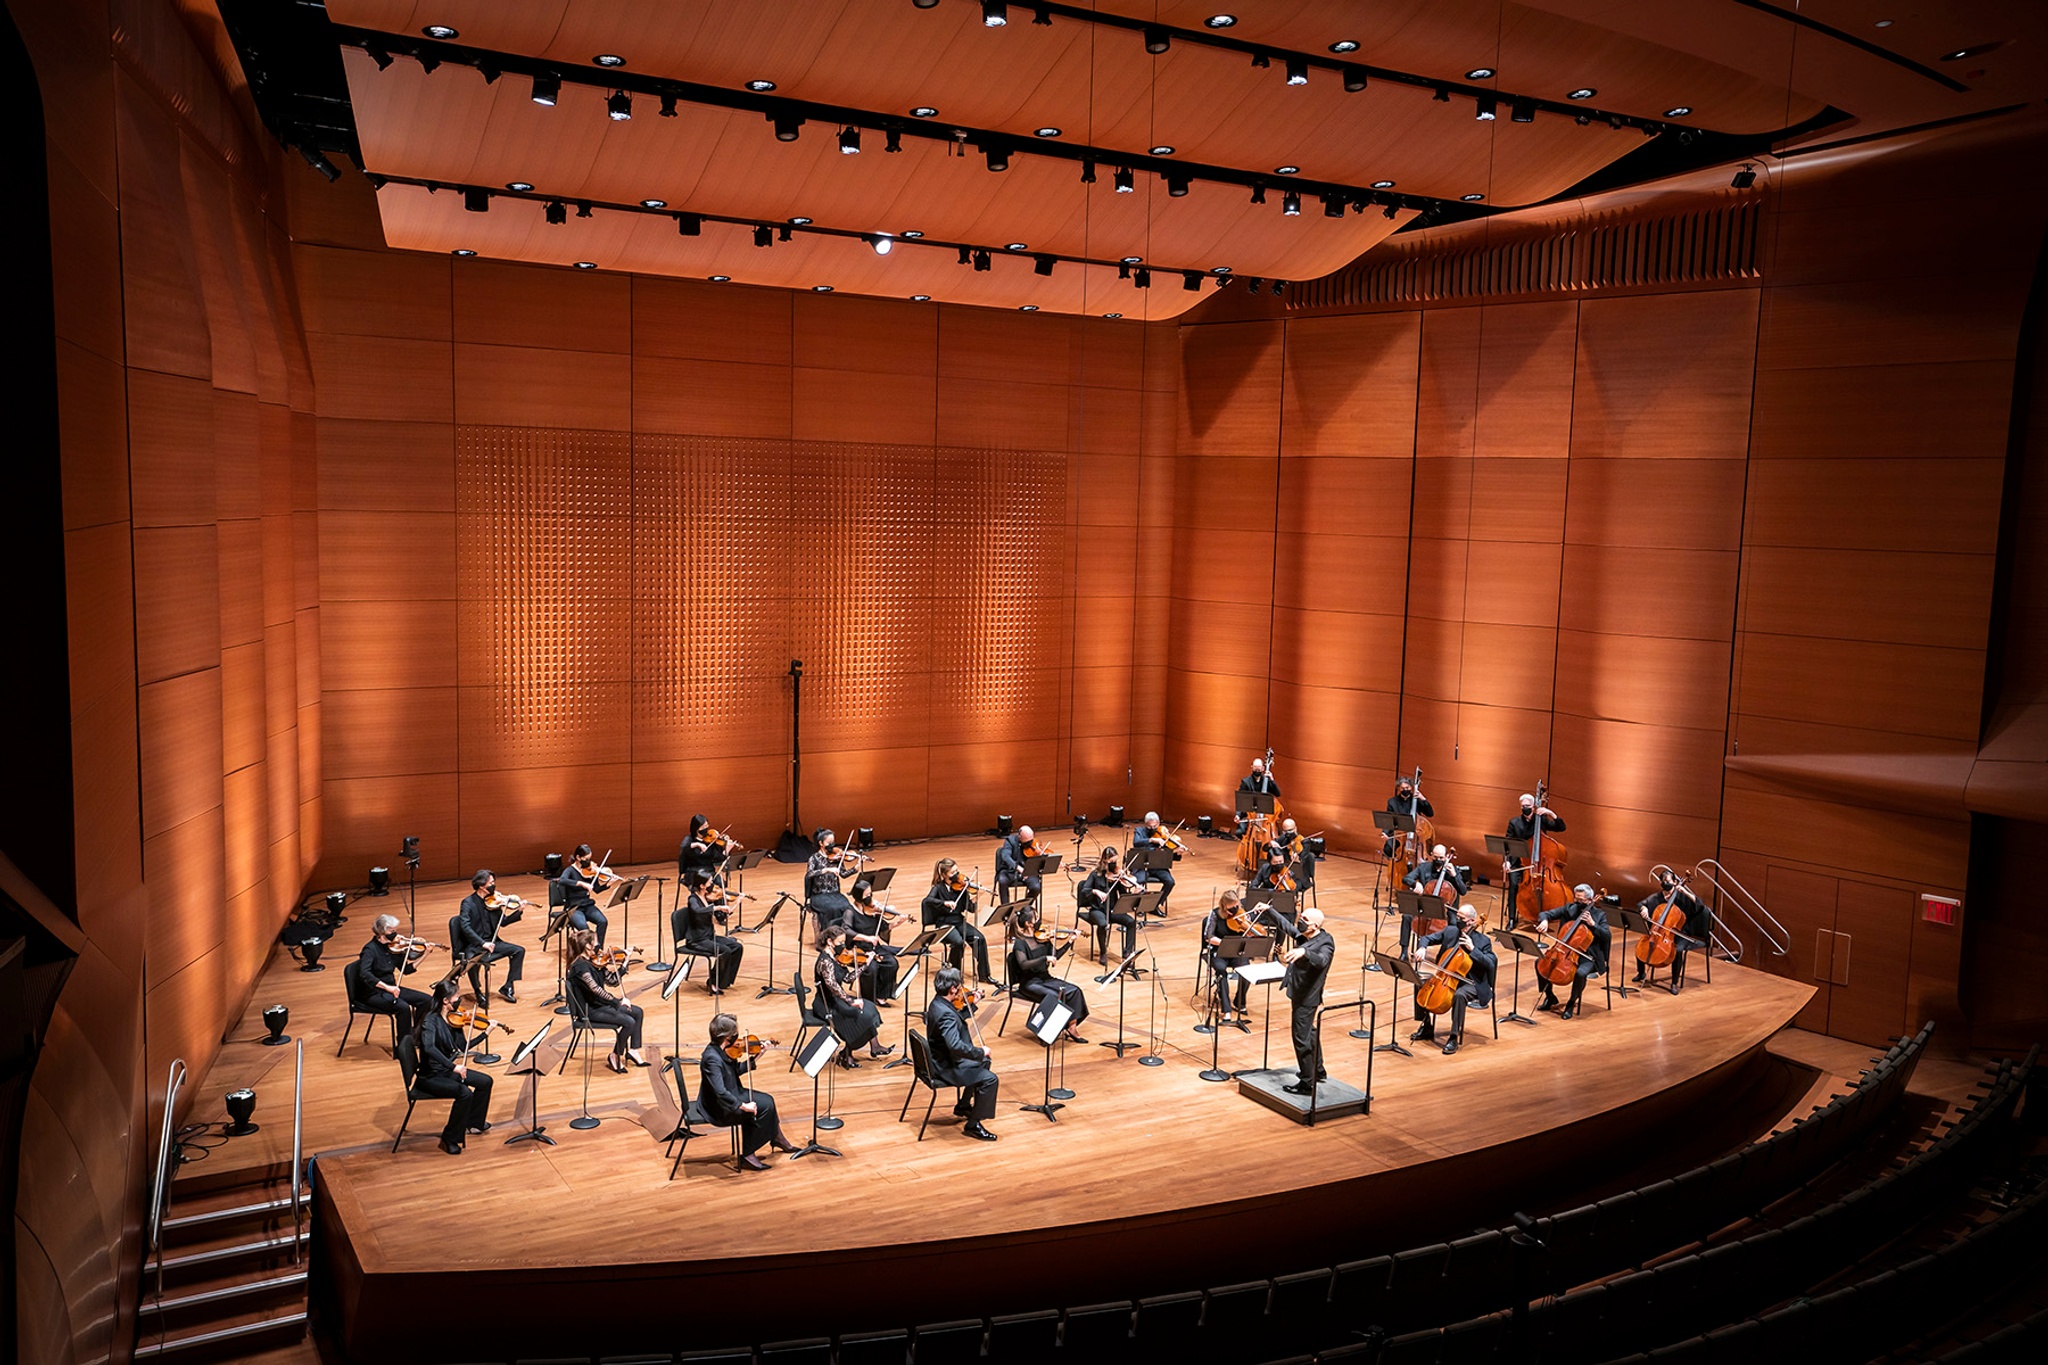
point(660, 926)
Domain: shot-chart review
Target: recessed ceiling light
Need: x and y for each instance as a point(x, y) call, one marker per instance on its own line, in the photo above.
point(1027, 308)
point(1383, 184)
point(586, 265)
point(760, 87)
point(924, 111)
point(1112, 315)
point(654, 203)
point(1344, 45)
point(1016, 246)
point(1162, 150)
point(1287, 170)
point(1132, 260)
point(609, 59)
point(1678, 111)
point(1584, 92)
point(1974, 50)
point(799, 222)
point(522, 186)
point(1884, 23)
point(1045, 132)
point(821, 289)
point(719, 279)
point(1479, 73)
point(462, 251)
point(914, 233)
point(1219, 21)
point(441, 31)
point(920, 298)
point(1473, 198)
point(1220, 270)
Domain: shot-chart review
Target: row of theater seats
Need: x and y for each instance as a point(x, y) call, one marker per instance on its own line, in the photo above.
point(1357, 1309)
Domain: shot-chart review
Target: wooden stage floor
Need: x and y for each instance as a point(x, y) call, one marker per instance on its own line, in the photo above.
point(1151, 1179)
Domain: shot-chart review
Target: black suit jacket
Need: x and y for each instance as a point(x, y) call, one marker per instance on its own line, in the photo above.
point(1304, 981)
point(1602, 935)
point(1439, 945)
point(721, 1089)
point(956, 1058)
point(440, 1049)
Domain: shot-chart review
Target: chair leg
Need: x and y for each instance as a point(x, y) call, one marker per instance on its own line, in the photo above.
point(930, 1104)
point(347, 1029)
point(682, 1145)
point(402, 1124)
point(796, 1048)
point(735, 1131)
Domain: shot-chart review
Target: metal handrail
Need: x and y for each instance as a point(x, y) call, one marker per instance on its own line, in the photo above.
point(298, 1143)
point(1763, 920)
point(160, 1197)
point(1369, 1023)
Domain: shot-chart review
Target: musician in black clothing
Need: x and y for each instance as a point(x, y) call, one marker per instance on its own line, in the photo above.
point(1010, 857)
point(1699, 923)
point(1296, 849)
point(1523, 827)
point(1277, 872)
point(1431, 878)
point(1308, 964)
point(1102, 893)
point(696, 924)
point(444, 1071)
point(588, 982)
point(1406, 800)
point(956, 1058)
point(1031, 959)
point(822, 875)
point(580, 880)
point(1151, 835)
point(1216, 928)
point(384, 959)
point(477, 931)
point(1595, 960)
point(1477, 989)
point(723, 1094)
point(704, 849)
point(854, 1019)
point(950, 908)
point(867, 924)
point(1257, 780)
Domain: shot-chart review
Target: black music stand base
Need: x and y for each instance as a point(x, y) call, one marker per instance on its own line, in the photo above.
point(815, 1147)
point(1515, 1015)
point(1399, 969)
point(1049, 1106)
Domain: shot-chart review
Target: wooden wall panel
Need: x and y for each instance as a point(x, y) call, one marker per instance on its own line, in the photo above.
point(1526, 373)
point(1003, 413)
point(1936, 407)
point(981, 345)
point(1650, 681)
point(852, 333)
point(511, 817)
point(373, 293)
point(1665, 376)
point(387, 556)
point(1638, 591)
point(1900, 689)
point(542, 387)
point(171, 452)
point(1690, 504)
point(859, 406)
point(177, 601)
point(501, 304)
point(1447, 381)
point(1920, 598)
point(1904, 318)
point(1349, 386)
point(692, 320)
point(375, 466)
point(1938, 501)
point(1230, 390)
point(383, 378)
point(1489, 498)
point(388, 645)
point(92, 419)
point(748, 795)
point(689, 396)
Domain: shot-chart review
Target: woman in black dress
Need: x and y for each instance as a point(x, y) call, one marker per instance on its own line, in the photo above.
point(589, 983)
point(854, 1019)
point(1031, 959)
point(700, 921)
point(725, 1095)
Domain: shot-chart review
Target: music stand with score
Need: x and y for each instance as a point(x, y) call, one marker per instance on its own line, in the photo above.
point(816, 1055)
point(529, 1094)
point(1048, 1022)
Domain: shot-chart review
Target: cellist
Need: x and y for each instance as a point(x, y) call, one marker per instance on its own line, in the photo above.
point(1523, 827)
point(1461, 933)
point(1699, 923)
point(1432, 879)
point(1594, 960)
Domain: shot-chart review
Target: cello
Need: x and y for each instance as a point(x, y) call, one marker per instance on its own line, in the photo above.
point(1659, 946)
point(1560, 961)
point(1544, 872)
point(1443, 889)
point(1436, 995)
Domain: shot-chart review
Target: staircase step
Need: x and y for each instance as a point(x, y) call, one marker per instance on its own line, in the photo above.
point(279, 1208)
point(221, 1298)
point(234, 1339)
point(188, 1261)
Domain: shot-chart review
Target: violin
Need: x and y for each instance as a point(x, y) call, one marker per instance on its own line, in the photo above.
point(715, 839)
point(1658, 947)
point(415, 944)
point(476, 1018)
point(599, 876)
point(851, 956)
point(1032, 849)
point(613, 960)
point(502, 900)
point(959, 881)
point(1244, 920)
point(1051, 935)
point(745, 1047)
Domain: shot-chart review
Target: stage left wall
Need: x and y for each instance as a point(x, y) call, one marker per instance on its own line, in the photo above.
point(185, 402)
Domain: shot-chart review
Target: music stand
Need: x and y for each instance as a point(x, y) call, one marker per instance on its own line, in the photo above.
point(768, 923)
point(1041, 865)
point(1047, 1022)
point(1524, 946)
point(623, 894)
point(881, 879)
point(660, 962)
point(740, 866)
point(1504, 848)
point(677, 975)
point(814, 1057)
point(1254, 803)
point(1401, 969)
point(1253, 948)
point(1630, 919)
point(557, 929)
point(1392, 825)
point(529, 1095)
point(914, 953)
point(1123, 971)
point(1415, 905)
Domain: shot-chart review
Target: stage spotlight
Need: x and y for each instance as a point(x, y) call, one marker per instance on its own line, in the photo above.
point(998, 156)
point(689, 225)
point(849, 141)
point(995, 13)
point(1205, 825)
point(1142, 279)
point(476, 200)
point(380, 881)
point(1744, 178)
point(1522, 111)
point(1125, 182)
point(547, 89)
point(551, 866)
point(1315, 846)
point(1354, 79)
point(981, 259)
point(1003, 826)
point(1191, 281)
point(1116, 817)
point(337, 902)
point(1041, 265)
point(864, 837)
point(786, 126)
point(274, 1019)
point(1297, 71)
point(310, 950)
point(763, 236)
point(1290, 204)
point(619, 105)
point(241, 1104)
point(1157, 40)
point(1483, 109)
point(1177, 186)
point(556, 212)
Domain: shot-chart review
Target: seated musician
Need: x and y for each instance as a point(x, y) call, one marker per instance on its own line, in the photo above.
point(1560, 921)
point(1032, 953)
point(444, 1071)
point(956, 1058)
point(1462, 931)
point(385, 958)
point(1699, 924)
point(1150, 835)
point(854, 1017)
point(704, 849)
point(724, 1094)
point(1523, 827)
point(1432, 878)
point(1405, 801)
point(698, 925)
point(1010, 856)
point(1215, 928)
point(950, 905)
point(477, 930)
point(581, 880)
point(1289, 840)
point(867, 924)
point(1277, 872)
point(590, 984)
point(822, 875)
point(1100, 897)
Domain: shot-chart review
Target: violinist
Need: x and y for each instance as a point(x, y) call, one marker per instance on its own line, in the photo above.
point(1100, 894)
point(1406, 800)
point(1010, 856)
point(854, 1019)
point(1308, 964)
point(1217, 926)
point(477, 929)
point(1589, 962)
point(1032, 953)
point(1523, 827)
point(444, 1071)
point(1462, 933)
point(697, 925)
point(1433, 878)
point(1299, 857)
point(724, 1093)
point(949, 905)
point(956, 1058)
point(384, 959)
point(706, 849)
point(588, 983)
point(868, 926)
point(1277, 872)
point(822, 876)
point(1150, 835)
point(581, 880)
point(1699, 923)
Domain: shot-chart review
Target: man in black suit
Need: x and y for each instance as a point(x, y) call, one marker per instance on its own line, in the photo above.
point(1432, 878)
point(956, 1058)
point(1406, 800)
point(1523, 827)
point(1010, 863)
point(722, 1092)
point(1595, 960)
point(1476, 989)
point(1308, 963)
point(476, 936)
point(1699, 923)
point(444, 1072)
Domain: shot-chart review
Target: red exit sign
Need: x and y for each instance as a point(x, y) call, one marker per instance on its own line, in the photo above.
point(1940, 909)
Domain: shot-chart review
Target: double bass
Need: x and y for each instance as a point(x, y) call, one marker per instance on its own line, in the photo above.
point(1544, 874)
point(1408, 841)
point(1259, 829)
